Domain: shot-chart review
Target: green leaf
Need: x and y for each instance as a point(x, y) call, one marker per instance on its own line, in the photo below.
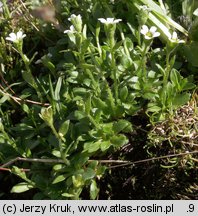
point(57, 89)
point(85, 45)
point(107, 128)
point(153, 108)
point(100, 170)
point(25, 108)
point(58, 167)
point(117, 45)
point(181, 99)
point(93, 164)
point(122, 125)
point(67, 195)
point(119, 140)
point(94, 190)
point(49, 65)
point(28, 77)
point(119, 111)
point(194, 30)
point(21, 187)
point(64, 128)
point(191, 53)
point(175, 78)
point(80, 158)
point(99, 103)
point(88, 105)
point(58, 179)
point(56, 153)
point(80, 91)
point(105, 145)
point(187, 85)
point(20, 173)
point(97, 115)
point(4, 98)
point(79, 115)
point(88, 174)
point(123, 93)
point(92, 146)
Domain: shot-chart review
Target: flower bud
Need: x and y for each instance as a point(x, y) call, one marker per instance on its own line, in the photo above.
point(47, 115)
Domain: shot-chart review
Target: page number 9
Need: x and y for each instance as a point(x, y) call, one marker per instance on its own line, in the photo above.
point(191, 208)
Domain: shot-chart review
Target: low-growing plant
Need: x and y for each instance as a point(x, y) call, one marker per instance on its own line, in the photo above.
point(77, 95)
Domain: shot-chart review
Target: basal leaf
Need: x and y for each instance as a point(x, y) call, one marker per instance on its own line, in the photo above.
point(181, 99)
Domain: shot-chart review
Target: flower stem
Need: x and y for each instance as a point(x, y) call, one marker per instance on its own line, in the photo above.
point(114, 76)
point(143, 61)
point(27, 75)
point(168, 65)
point(167, 71)
point(60, 144)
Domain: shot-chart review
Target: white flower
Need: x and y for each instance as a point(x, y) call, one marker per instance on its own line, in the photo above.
point(149, 33)
point(71, 30)
point(76, 22)
point(109, 21)
point(73, 16)
point(174, 39)
point(16, 37)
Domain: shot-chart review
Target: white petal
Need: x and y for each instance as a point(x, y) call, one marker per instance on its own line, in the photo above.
point(110, 20)
point(144, 30)
point(102, 20)
point(19, 34)
point(174, 36)
point(156, 34)
point(147, 37)
point(73, 16)
point(9, 38)
point(153, 29)
point(117, 20)
point(13, 36)
point(181, 41)
point(72, 28)
point(24, 35)
point(145, 27)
